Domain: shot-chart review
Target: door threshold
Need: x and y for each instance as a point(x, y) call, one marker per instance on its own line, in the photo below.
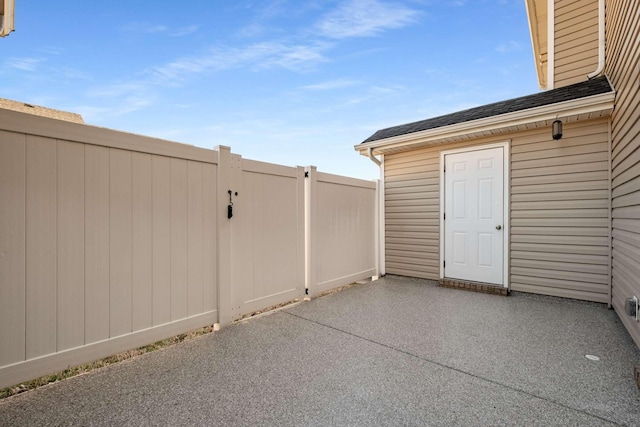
point(467, 285)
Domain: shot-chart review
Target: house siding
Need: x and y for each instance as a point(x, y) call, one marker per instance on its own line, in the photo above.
point(412, 208)
point(559, 211)
point(576, 41)
point(623, 57)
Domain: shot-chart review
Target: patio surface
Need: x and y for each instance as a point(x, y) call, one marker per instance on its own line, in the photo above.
point(392, 352)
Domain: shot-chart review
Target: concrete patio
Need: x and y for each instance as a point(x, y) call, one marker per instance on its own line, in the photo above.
point(393, 352)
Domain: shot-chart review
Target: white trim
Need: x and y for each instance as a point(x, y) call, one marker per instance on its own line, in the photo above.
point(383, 230)
point(551, 43)
point(601, 41)
point(610, 179)
point(441, 213)
point(535, 38)
point(506, 202)
point(7, 19)
point(372, 157)
point(589, 104)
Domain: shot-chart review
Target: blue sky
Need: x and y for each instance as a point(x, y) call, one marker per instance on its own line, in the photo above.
point(283, 81)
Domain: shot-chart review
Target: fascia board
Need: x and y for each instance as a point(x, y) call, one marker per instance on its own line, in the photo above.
point(532, 19)
point(590, 104)
point(6, 17)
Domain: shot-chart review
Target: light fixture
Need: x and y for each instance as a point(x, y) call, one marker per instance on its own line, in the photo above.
point(556, 129)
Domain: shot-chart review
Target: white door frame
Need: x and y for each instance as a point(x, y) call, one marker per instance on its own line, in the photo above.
point(505, 225)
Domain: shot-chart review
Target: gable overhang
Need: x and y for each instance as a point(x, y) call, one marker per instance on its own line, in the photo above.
point(587, 108)
point(538, 16)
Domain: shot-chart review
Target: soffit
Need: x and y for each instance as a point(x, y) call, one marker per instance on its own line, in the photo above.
point(537, 13)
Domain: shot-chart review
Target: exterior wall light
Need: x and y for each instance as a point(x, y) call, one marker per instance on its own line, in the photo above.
point(556, 129)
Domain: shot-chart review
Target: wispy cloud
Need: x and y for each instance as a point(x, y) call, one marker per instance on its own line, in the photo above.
point(299, 53)
point(251, 30)
point(118, 99)
point(72, 73)
point(108, 108)
point(373, 93)
point(118, 89)
point(50, 50)
point(298, 57)
point(270, 9)
point(147, 28)
point(509, 46)
point(365, 18)
point(184, 31)
point(332, 84)
point(133, 103)
point(138, 93)
point(24, 63)
point(144, 28)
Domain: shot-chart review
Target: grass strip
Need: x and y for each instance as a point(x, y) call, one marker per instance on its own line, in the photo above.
point(88, 367)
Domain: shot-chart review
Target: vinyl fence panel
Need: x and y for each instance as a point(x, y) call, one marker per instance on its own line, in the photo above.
point(102, 236)
point(110, 241)
point(342, 228)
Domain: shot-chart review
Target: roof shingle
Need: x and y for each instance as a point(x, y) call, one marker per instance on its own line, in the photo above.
point(37, 110)
point(591, 87)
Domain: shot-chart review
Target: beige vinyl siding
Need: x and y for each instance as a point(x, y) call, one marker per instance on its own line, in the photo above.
point(576, 41)
point(623, 57)
point(412, 207)
point(559, 211)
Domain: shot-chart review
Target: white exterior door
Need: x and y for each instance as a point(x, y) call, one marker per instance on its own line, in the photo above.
point(474, 212)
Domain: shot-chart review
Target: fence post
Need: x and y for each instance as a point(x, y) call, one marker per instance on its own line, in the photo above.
point(310, 200)
point(224, 236)
point(301, 253)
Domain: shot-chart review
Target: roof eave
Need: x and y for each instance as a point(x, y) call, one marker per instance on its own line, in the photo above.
point(536, 27)
point(589, 107)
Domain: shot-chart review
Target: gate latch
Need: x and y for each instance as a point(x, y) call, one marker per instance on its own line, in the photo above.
point(230, 207)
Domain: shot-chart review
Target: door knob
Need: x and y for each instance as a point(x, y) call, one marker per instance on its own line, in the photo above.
point(498, 227)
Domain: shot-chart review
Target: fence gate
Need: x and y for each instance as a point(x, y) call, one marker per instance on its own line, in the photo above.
point(266, 234)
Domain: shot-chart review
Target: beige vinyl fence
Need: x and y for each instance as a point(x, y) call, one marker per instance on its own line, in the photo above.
point(267, 235)
point(342, 230)
point(110, 241)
